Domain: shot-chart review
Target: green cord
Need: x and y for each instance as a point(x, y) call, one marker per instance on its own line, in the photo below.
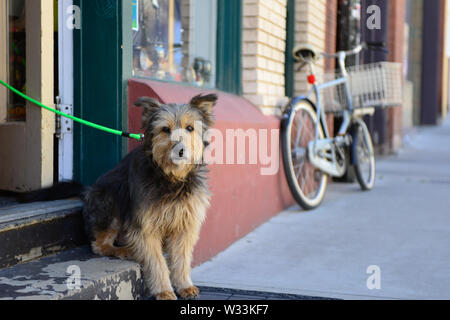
point(87, 123)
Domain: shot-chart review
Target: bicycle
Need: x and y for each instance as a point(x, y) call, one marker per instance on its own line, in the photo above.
point(309, 154)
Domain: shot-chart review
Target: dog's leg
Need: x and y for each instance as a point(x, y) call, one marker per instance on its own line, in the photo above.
point(148, 252)
point(104, 243)
point(180, 248)
point(104, 246)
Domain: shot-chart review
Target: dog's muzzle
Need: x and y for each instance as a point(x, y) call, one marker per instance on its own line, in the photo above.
point(180, 154)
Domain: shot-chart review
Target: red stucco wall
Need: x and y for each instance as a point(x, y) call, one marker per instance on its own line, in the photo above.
point(242, 197)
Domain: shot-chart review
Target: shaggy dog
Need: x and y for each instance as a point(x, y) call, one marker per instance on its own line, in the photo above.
point(154, 201)
point(150, 207)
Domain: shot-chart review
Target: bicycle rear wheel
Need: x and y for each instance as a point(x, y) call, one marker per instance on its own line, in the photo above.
point(306, 182)
point(364, 156)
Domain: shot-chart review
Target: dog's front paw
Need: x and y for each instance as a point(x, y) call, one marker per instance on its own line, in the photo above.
point(189, 293)
point(166, 295)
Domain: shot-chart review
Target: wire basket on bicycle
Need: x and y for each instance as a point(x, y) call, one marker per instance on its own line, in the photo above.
point(371, 85)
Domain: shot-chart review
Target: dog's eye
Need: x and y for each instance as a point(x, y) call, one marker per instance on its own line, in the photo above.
point(166, 130)
point(189, 128)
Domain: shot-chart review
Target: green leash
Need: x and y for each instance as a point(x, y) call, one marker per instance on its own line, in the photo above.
point(125, 134)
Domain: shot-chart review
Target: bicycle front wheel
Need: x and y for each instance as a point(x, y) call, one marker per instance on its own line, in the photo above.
point(306, 182)
point(364, 156)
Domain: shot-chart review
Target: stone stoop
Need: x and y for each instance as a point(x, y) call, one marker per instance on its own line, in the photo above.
point(31, 231)
point(44, 255)
point(75, 274)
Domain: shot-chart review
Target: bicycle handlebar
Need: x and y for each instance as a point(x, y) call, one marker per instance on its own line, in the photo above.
point(354, 51)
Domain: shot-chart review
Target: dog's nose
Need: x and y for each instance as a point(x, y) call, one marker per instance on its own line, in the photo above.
point(179, 152)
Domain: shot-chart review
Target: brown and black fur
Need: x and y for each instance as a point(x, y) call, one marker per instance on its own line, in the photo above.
point(148, 205)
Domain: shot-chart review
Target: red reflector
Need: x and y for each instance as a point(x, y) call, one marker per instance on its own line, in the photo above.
point(311, 79)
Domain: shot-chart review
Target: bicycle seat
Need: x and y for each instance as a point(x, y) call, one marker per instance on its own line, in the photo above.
point(305, 52)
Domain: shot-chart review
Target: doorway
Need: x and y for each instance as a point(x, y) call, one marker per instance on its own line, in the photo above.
point(27, 62)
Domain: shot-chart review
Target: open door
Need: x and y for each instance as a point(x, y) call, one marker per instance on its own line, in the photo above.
point(27, 62)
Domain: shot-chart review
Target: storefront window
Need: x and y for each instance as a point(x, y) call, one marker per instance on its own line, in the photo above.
point(174, 40)
point(16, 58)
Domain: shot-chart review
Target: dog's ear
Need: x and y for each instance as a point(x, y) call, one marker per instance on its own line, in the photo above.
point(150, 106)
point(204, 103)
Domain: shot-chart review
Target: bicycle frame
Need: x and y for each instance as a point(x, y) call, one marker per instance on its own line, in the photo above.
point(316, 88)
point(322, 152)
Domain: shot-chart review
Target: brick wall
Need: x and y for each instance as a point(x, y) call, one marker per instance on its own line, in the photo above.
point(331, 33)
point(310, 27)
point(397, 16)
point(264, 45)
point(415, 55)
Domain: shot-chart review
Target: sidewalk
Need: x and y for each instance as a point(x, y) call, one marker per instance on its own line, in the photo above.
point(402, 226)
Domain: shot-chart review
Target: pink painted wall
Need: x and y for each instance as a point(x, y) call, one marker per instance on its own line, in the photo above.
point(242, 197)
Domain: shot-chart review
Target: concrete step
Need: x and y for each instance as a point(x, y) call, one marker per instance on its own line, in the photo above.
point(72, 275)
point(31, 231)
point(78, 274)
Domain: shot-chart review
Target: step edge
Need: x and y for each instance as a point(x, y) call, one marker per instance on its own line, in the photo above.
point(120, 280)
point(31, 216)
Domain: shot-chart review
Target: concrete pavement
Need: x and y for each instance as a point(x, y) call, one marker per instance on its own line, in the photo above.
point(215, 293)
point(402, 227)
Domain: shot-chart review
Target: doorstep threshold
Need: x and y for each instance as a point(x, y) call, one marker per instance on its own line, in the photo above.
point(31, 231)
point(38, 210)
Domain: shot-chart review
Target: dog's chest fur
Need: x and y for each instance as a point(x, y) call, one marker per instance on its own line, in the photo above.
point(174, 215)
point(167, 206)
